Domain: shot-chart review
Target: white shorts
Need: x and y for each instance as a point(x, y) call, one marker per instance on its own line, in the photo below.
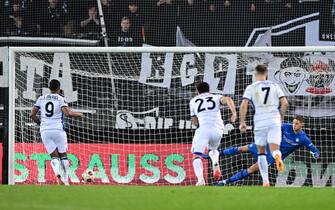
point(206, 137)
point(271, 135)
point(53, 139)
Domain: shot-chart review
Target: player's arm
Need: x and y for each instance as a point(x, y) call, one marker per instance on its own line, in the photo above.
point(283, 107)
point(195, 121)
point(247, 96)
point(283, 102)
point(194, 118)
point(33, 115)
point(230, 103)
point(243, 114)
point(70, 113)
point(311, 147)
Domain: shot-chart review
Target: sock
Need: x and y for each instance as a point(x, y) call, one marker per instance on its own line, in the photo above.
point(55, 165)
point(276, 152)
point(65, 165)
point(230, 151)
point(214, 155)
point(238, 176)
point(198, 168)
point(263, 168)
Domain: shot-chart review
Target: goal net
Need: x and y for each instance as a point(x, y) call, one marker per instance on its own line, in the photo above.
point(137, 128)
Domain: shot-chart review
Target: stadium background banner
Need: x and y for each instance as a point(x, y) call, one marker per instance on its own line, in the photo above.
point(308, 75)
point(113, 164)
point(139, 120)
point(150, 129)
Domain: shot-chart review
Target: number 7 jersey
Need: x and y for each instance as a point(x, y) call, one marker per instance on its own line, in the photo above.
point(206, 107)
point(265, 98)
point(50, 106)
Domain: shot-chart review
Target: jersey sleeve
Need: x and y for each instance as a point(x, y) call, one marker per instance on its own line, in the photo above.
point(279, 91)
point(311, 147)
point(247, 93)
point(38, 103)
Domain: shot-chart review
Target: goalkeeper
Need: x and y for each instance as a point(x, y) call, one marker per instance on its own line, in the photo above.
point(293, 137)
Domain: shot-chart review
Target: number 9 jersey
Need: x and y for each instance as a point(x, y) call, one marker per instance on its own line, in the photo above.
point(265, 98)
point(206, 107)
point(50, 106)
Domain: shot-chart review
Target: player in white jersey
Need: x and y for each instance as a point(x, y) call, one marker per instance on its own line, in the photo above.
point(205, 113)
point(270, 106)
point(52, 106)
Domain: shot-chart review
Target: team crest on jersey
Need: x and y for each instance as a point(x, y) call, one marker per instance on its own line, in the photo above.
point(297, 140)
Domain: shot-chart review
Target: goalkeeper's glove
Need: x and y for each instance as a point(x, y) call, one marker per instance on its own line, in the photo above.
point(315, 155)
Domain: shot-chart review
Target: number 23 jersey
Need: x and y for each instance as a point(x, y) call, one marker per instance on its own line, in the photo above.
point(206, 107)
point(265, 98)
point(50, 106)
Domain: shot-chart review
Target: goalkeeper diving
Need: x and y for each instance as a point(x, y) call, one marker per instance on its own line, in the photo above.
point(293, 137)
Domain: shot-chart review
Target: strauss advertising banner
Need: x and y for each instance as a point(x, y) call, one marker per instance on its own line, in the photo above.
point(112, 164)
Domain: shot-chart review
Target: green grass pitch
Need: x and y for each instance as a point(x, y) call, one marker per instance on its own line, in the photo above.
point(161, 198)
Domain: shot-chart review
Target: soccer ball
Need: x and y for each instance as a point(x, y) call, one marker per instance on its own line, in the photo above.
point(88, 176)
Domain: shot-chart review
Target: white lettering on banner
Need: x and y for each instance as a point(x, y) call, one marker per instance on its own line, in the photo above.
point(209, 75)
point(321, 179)
point(187, 74)
point(127, 120)
point(156, 70)
point(31, 66)
point(186, 124)
point(320, 175)
point(227, 128)
point(150, 120)
point(3, 66)
point(301, 172)
point(60, 70)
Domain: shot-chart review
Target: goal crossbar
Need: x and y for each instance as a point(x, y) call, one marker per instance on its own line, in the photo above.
point(175, 49)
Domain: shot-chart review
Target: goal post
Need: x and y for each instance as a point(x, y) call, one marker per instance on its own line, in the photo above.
point(11, 117)
point(146, 139)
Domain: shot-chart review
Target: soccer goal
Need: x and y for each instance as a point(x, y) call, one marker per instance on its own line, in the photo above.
point(137, 128)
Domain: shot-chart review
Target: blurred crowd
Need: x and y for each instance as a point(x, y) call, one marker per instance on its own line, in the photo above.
point(134, 22)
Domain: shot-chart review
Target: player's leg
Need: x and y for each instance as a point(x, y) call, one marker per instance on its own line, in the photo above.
point(261, 141)
point(61, 141)
point(251, 148)
point(263, 165)
point(214, 155)
point(65, 166)
point(55, 164)
point(51, 147)
point(240, 175)
point(198, 147)
point(213, 145)
point(234, 150)
point(274, 138)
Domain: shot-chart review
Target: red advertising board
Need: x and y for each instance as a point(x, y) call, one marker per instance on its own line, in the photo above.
point(143, 164)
